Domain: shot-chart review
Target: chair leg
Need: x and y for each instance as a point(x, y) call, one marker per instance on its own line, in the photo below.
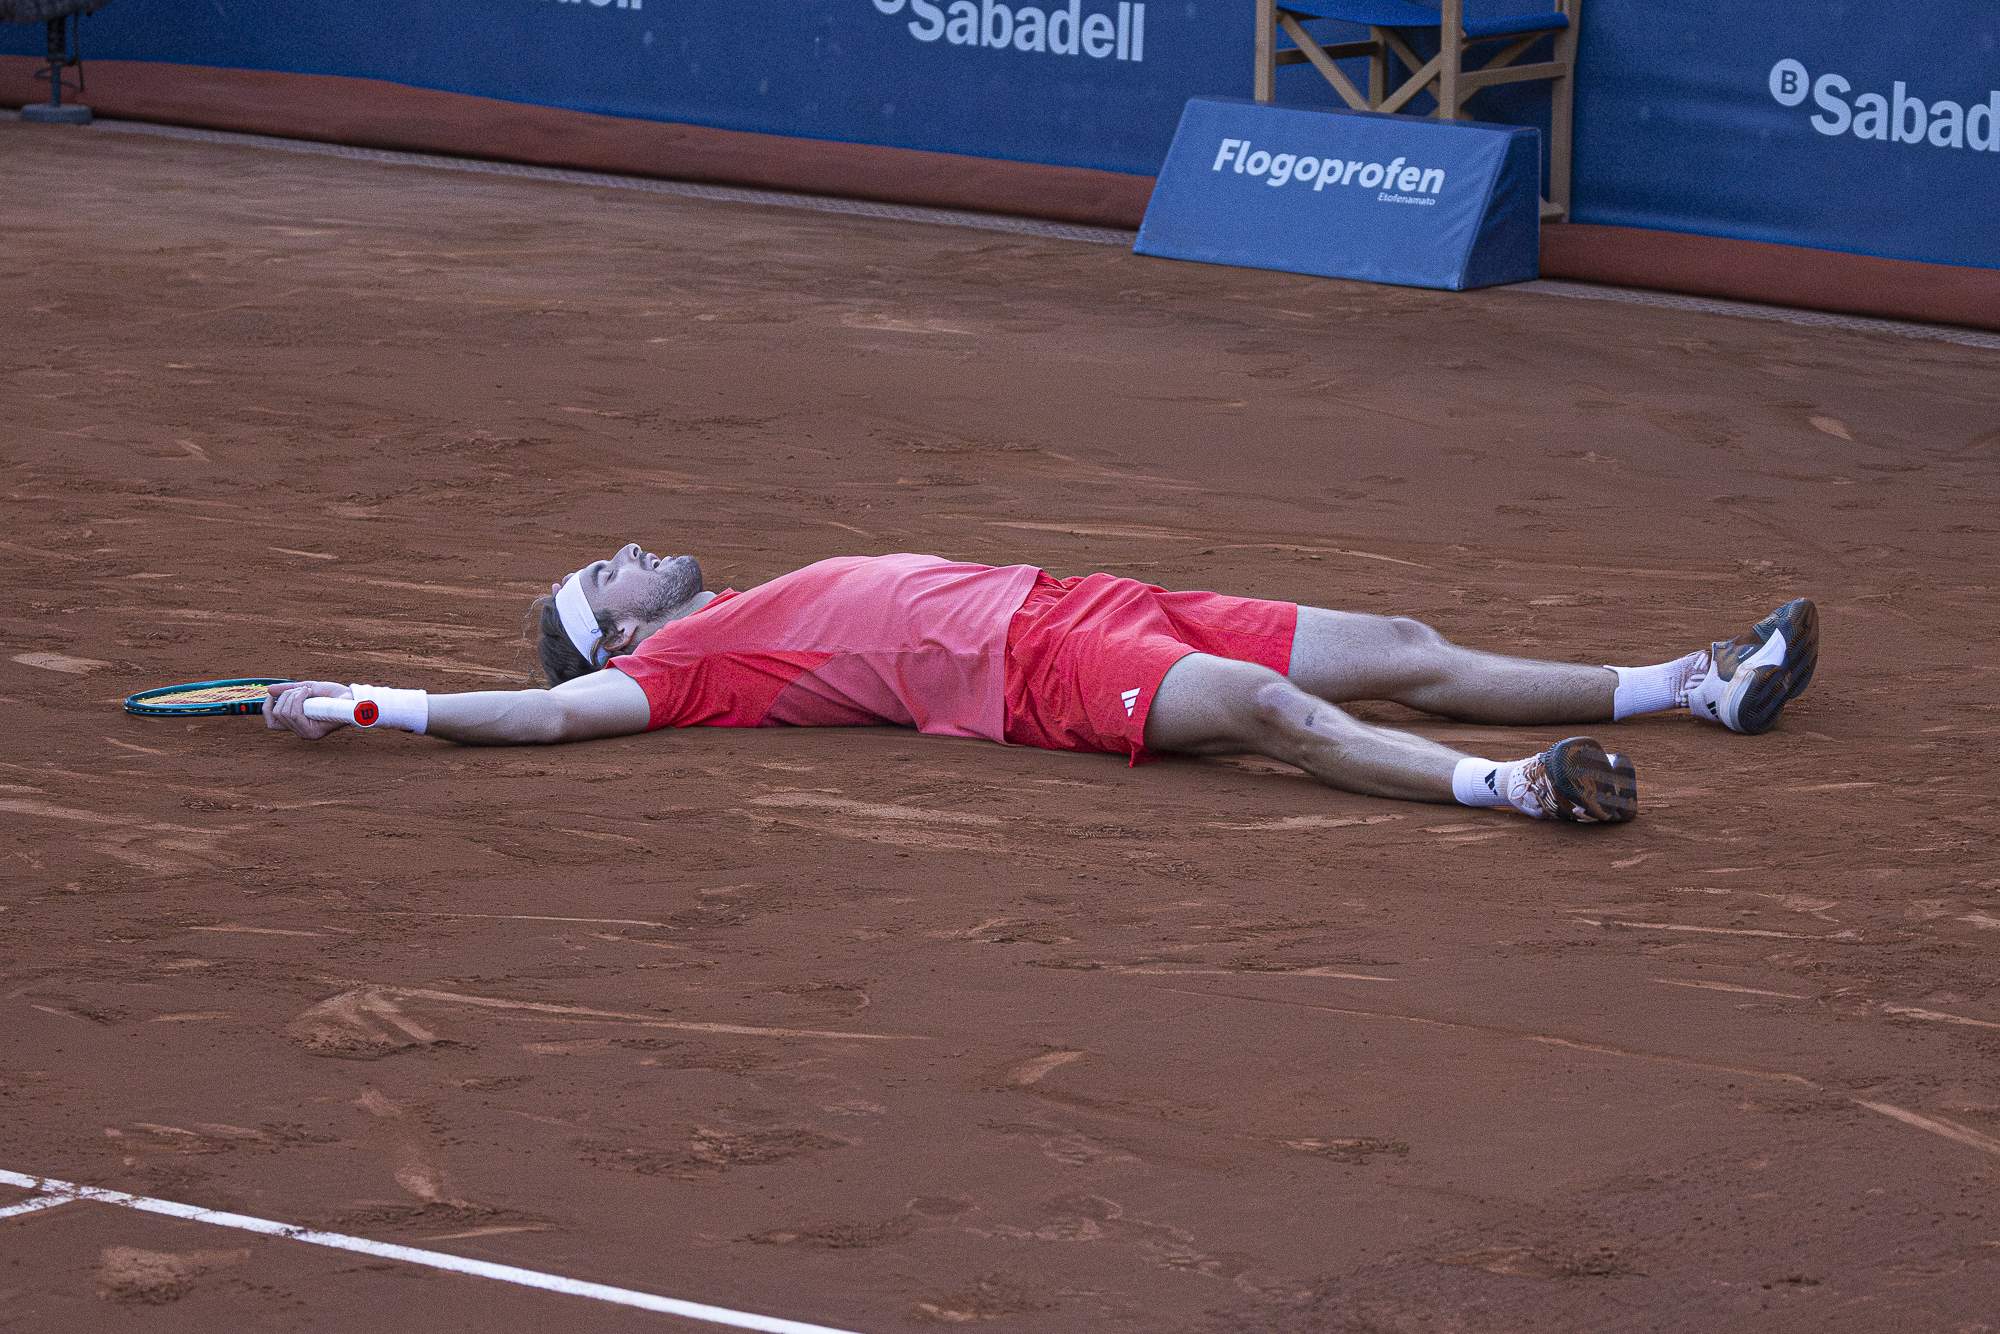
point(1562, 99)
point(1264, 85)
point(1559, 141)
point(1451, 44)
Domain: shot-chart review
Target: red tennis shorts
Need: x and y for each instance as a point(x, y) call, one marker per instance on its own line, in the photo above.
point(1085, 656)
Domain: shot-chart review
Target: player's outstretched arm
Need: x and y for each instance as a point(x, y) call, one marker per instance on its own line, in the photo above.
point(606, 703)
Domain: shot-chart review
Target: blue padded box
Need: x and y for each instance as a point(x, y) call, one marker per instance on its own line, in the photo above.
point(1348, 194)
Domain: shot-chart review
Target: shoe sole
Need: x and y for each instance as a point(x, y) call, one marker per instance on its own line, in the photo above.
point(1590, 786)
point(1773, 686)
point(1806, 623)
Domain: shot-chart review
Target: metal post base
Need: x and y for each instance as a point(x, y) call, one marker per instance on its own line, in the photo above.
point(45, 113)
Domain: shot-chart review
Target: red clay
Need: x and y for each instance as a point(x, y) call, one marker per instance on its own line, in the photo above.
point(387, 115)
point(889, 1031)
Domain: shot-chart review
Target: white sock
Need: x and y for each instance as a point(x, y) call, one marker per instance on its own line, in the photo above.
point(1657, 688)
point(1496, 783)
point(1483, 782)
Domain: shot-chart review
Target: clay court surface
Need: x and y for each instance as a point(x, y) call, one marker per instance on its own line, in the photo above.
point(885, 1031)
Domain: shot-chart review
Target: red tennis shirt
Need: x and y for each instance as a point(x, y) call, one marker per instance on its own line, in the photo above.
point(913, 640)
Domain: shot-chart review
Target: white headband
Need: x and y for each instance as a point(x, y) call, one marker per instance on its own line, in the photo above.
point(579, 622)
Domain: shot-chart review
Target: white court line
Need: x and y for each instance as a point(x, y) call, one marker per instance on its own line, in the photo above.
point(35, 1205)
point(62, 1192)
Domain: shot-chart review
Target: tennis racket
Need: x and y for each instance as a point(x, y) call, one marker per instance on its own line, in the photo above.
point(241, 694)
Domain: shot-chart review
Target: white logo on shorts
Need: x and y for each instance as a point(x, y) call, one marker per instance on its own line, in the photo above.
point(1131, 699)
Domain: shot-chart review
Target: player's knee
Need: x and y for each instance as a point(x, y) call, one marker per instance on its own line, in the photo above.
point(1414, 636)
point(1269, 701)
point(1277, 710)
point(1423, 656)
point(1287, 723)
point(1211, 706)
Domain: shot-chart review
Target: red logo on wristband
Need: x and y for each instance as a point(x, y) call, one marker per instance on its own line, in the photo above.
point(365, 713)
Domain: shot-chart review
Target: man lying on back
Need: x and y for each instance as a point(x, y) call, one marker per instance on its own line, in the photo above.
point(1009, 653)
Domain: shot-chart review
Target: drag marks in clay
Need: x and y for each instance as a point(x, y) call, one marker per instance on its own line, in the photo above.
point(1939, 1126)
point(369, 1022)
point(709, 1151)
point(361, 1025)
point(156, 847)
point(60, 662)
point(876, 822)
point(129, 1276)
point(399, 1138)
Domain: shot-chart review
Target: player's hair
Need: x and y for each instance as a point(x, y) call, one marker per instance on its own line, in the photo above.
point(557, 657)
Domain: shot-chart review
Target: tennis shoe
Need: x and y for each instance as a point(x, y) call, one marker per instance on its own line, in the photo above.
point(1578, 782)
point(1752, 677)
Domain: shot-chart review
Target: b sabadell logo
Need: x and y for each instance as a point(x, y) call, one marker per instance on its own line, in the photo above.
point(1894, 117)
point(1100, 31)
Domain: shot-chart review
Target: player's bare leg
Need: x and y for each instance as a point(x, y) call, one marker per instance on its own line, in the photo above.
point(1345, 656)
point(1211, 706)
point(1741, 683)
point(1216, 706)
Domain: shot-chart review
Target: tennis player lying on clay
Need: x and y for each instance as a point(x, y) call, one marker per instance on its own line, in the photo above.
point(1097, 663)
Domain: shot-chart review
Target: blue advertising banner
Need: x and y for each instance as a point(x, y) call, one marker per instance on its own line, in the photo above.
point(1342, 194)
point(1865, 126)
point(1858, 125)
point(1087, 83)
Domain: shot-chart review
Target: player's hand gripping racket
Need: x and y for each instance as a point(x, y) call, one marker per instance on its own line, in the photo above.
point(242, 694)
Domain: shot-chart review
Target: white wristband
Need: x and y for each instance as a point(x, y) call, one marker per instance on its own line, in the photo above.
point(406, 710)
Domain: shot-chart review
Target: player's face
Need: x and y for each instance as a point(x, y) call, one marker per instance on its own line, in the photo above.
point(633, 582)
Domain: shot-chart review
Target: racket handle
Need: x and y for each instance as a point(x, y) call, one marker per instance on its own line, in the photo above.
point(359, 712)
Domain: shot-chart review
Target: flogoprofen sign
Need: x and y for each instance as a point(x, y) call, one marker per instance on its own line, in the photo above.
point(1407, 184)
point(1388, 199)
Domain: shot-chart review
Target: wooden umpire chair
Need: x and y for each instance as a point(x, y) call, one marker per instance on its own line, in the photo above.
point(1450, 78)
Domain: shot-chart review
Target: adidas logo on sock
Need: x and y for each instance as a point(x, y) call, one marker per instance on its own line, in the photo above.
point(1130, 699)
point(1492, 786)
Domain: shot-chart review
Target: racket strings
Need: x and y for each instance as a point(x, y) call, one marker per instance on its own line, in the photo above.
point(210, 695)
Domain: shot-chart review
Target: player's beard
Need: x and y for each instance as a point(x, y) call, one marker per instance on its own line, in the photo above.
point(680, 580)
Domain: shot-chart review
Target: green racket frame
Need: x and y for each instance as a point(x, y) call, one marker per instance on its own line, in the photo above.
point(154, 704)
